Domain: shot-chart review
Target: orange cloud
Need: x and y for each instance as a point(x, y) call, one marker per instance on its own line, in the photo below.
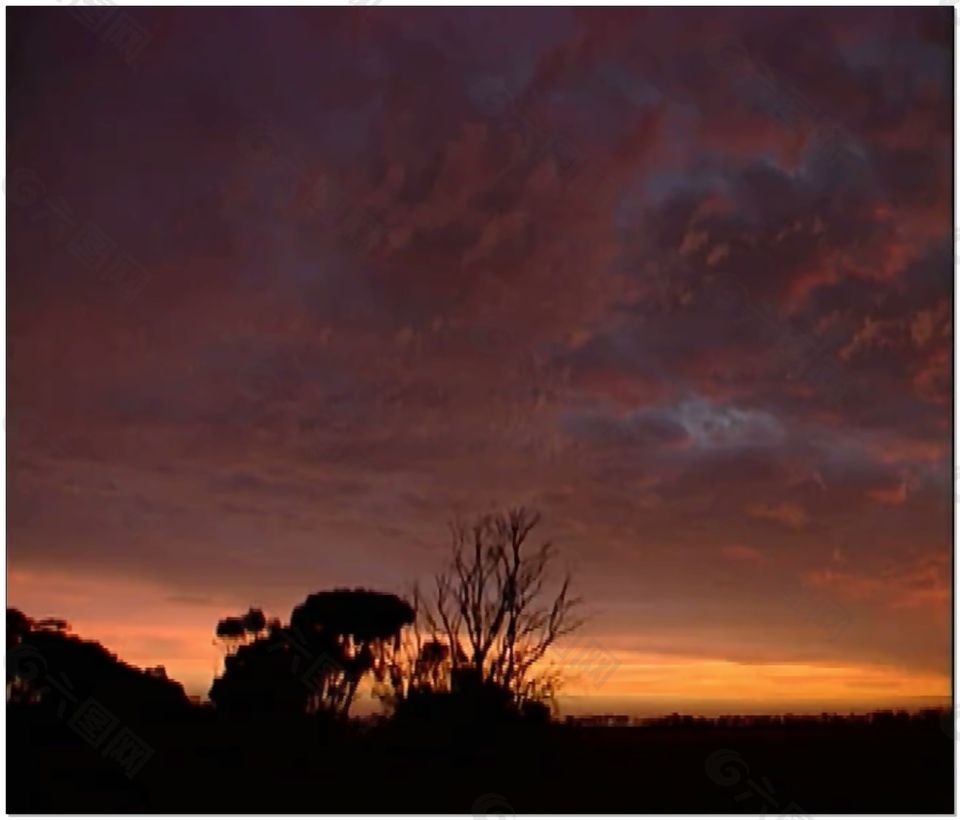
point(923, 586)
point(790, 515)
point(890, 497)
point(739, 552)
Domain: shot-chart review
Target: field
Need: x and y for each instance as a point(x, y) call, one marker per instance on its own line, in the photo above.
point(211, 767)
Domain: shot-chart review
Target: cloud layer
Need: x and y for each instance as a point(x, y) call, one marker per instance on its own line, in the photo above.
point(680, 278)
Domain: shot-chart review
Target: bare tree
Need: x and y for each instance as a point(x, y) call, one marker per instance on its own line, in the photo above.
point(493, 606)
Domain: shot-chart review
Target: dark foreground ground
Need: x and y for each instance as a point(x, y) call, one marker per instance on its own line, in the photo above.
point(554, 769)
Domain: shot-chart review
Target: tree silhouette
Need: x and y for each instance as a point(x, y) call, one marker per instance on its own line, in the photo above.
point(418, 668)
point(492, 608)
point(18, 625)
point(316, 663)
point(18, 675)
point(348, 634)
point(234, 631)
point(260, 678)
point(85, 669)
point(432, 667)
point(254, 622)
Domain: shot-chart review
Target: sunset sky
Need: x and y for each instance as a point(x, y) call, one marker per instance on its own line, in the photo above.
point(287, 288)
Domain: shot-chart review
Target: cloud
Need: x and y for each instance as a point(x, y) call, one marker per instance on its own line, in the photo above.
point(740, 552)
point(894, 497)
point(630, 294)
point(790, 515)
point(190, 600)
point(923, 585)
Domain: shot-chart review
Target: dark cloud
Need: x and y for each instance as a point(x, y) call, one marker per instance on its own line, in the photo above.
point(683, 278)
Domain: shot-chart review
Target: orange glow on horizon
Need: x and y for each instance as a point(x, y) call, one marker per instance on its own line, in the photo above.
point(180, 637)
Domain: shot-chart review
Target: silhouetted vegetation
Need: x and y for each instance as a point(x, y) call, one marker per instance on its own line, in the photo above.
point(467, 708)
point(315, 664)
point(46, 664)
point(492, 606)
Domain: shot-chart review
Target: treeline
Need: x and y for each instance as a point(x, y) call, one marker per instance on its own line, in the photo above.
point(473, 649)
point(880, 717)
point(469, 648)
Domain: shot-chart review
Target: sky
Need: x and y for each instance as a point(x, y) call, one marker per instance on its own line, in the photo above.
point(290, 288)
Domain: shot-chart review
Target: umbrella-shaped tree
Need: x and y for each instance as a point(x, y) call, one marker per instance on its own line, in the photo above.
point(365, 628)
point(314, 664)
point(234, 631)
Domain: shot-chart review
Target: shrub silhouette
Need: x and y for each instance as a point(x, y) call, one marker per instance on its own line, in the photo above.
point(316, 663)
point(261, 678)
point(43, 653)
